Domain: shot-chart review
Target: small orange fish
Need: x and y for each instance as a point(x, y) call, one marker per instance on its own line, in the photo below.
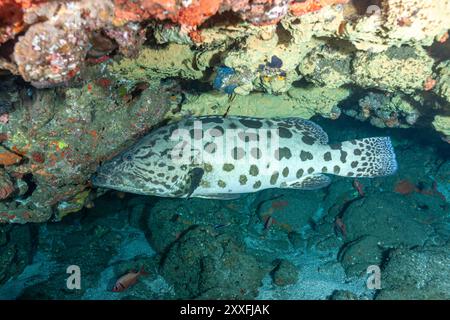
point(128, 280)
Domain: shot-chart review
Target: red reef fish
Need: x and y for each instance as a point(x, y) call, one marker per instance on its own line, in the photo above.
point(340, 227)
point(128, 280)
point(359, 187)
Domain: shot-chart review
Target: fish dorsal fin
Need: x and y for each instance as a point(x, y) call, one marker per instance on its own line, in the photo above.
point(310, 182)
point(308, 128)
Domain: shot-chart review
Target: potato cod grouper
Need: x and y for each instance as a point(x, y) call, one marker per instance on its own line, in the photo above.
point(222, 157)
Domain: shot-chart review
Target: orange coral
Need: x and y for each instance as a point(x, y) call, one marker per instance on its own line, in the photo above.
point(198, 12)
point(11, 17)
point(190, 15)
point(8, 158)
point(144, 9)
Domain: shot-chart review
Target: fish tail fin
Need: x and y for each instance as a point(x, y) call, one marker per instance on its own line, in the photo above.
point(368, 157)
point(142, 272)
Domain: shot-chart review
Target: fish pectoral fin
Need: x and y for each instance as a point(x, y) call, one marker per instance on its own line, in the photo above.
point(196, 175)
point(219, 196)
point(309, 182)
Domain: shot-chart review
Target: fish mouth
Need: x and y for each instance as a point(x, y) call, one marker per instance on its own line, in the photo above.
point(99, 180)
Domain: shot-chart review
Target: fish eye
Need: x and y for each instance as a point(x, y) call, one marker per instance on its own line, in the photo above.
point(128, 157)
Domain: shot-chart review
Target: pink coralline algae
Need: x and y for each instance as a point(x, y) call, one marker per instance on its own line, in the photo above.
point(264, 12)
point(59, 35)
point(49, 55)
point(6, 186)
point(193, 13)
point(129, 38)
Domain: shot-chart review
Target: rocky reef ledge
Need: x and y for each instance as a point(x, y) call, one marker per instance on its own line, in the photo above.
point(82, 80)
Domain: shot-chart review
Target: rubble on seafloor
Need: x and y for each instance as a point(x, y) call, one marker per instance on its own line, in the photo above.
point(110, 70)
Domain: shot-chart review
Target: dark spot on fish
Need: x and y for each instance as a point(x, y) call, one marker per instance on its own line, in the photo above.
point(257, 184)
point(212, 120)
point(336, 146)
point(308, 140)
point(237, 153)
point(285, 172)
point(336, 169)
point(210, 147)
point(233, 125)
point(274, 177)
point(324, 169)
point(228, 167)
point(350, 174)
point(248, 136)
point(357, 152)
point(256, 153)
point(208, 167)
point(242, 179)
point(299, 173)
point(354, 164)
point(221, 183)
point(281, 153)
point(327, 156)
point(253, 170)
point(284, 133)
point(249, 123)
point(196, 134)
point(217, 131)
point(343, 156)
point(305, 155)
point(310, 170)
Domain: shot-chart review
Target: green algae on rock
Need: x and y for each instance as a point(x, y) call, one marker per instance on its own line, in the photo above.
point(405, 69)
point(173, 60)
point(442, 124)
point(443, 83)
point(297, 102)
